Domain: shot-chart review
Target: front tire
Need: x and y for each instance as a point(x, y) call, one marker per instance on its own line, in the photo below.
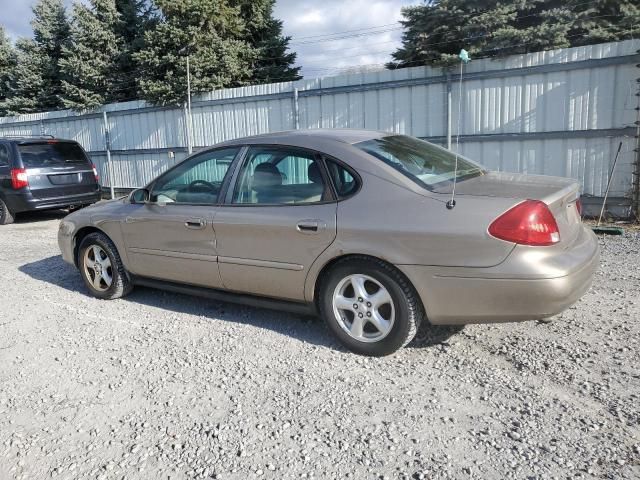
point(6, 217)
point(101, 268)
point(370, 306)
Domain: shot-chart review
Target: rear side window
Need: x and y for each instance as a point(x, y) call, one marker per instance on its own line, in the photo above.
point(4, 156)
point(43, 155)
point(344, 181)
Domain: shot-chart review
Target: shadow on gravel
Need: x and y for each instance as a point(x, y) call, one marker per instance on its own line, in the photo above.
point(430, 335)
point(45, 216)
point(55, 271)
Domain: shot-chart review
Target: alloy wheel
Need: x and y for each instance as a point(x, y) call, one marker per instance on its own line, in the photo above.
point(97, 268)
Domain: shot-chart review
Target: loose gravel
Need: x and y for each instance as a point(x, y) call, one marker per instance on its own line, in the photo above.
point(160, 385)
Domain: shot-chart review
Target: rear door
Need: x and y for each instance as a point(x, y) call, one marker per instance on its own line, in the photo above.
point(57, 169)
point(276, 222)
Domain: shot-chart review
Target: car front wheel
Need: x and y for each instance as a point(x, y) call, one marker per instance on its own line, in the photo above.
point(6, 217)
point(101, 267)
point(370, 306)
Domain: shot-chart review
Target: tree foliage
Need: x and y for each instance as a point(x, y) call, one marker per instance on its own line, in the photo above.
point(7, 64)
point(435, 31)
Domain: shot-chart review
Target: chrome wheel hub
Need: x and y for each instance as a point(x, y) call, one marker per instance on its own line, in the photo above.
point(364, 308)
point(97, 268)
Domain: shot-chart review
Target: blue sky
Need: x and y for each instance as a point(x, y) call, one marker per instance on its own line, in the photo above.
point(305, 21)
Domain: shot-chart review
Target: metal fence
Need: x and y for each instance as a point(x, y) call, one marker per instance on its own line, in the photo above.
point(560, 112)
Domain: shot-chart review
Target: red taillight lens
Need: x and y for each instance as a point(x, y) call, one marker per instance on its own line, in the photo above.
point(95, 172)
point(579, 206)
point(19, 178)
point(528, 223)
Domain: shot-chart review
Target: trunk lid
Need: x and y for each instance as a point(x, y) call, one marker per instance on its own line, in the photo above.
point(57, 169)
point(560, 194)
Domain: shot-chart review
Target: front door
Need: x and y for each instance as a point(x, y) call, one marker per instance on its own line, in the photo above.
point(280, 218)
point(171, 237)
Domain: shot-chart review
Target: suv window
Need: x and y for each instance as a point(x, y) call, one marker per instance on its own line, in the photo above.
point(277, 175)
point(51, 154)
point(343, 180)
point(197, 180)
point(4, 156)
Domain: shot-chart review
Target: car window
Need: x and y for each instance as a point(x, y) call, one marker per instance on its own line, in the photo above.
point(277, 175)
point(51, 154)
point(4, 156)
point(197, 180)
point(343, 180)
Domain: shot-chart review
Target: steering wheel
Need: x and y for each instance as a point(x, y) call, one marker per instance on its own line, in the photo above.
point(204, 183)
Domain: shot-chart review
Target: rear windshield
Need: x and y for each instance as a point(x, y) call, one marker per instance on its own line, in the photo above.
point(425, 163)
point(42, 155)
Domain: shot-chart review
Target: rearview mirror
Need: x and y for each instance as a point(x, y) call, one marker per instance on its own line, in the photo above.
point(141, 195)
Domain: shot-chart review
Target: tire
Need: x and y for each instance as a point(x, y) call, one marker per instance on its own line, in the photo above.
point(384, 328)
point(6, 217)
point(99, 246)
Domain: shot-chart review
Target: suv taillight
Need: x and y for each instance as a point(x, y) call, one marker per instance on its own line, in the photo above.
point(19, 178)
point(528, 223)
point(95, 172)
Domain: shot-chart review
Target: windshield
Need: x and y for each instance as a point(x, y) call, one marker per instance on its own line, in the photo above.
point(41, 155)
point(425, 163)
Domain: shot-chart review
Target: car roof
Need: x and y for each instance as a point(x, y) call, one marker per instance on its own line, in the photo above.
point(26, 140)
point(295, 137)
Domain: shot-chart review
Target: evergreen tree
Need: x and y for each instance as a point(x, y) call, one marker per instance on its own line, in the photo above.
point(90, 64)
point(273, 63)
point(7, 64)
point(211, 33)
point(35, 82)
point(437, 30)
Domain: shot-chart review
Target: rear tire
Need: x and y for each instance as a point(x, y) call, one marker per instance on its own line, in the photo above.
point(101, 268)
point(370, 306)
point(6, 217)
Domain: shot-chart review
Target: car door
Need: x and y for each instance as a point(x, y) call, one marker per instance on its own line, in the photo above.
point(5, 168)
point(279, 217)
point(171, 237)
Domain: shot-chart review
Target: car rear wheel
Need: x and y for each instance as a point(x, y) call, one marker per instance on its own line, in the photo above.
point(6, 217)
point(101, 267)
point(370, 306)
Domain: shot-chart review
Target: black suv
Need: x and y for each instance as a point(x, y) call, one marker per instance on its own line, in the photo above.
point(41, 173)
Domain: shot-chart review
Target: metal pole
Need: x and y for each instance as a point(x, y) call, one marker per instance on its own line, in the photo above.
point(449, 120)
point(296, 109)
point(107, 141)
point(189, 117)
point(606, 193)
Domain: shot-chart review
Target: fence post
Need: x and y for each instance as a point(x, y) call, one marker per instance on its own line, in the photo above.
point(449, 111)
point(296, 109)
point(42, 129)
point(107, 143)
point(635, 202)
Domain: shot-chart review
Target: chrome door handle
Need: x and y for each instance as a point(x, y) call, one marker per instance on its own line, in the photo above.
point(195, 224)
point(310, 226)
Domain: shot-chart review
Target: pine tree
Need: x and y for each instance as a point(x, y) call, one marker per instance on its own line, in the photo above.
point(211, 33)
point(35, 82)
point(435, 32)
point(7, 64)
point(90, 64)
point(273, 63)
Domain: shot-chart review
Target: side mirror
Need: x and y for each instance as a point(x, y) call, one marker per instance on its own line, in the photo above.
point(141, 195)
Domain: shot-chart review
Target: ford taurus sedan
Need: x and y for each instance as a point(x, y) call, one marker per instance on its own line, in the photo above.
point(361, 227)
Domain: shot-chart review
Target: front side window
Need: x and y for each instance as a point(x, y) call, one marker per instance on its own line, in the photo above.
point(51, 154)
point(277, 175)
point(197, 180)
point(425, 163)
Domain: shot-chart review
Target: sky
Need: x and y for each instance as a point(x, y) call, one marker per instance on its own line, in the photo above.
point(370, 26)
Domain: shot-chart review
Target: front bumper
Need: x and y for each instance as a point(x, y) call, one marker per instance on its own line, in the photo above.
point(532, 283)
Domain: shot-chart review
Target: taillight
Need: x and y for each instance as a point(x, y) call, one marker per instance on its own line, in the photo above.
point(19, 178)
point(528, 223)
point(579, 206)
point(95, 172)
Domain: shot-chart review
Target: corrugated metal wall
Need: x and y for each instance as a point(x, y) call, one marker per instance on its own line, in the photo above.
point(561, 112)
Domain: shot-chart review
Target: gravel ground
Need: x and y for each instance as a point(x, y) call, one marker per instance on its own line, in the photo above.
point(160, 385)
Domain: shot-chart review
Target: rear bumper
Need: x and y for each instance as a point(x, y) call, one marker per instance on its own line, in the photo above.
point(26, 202)
point(532, 283)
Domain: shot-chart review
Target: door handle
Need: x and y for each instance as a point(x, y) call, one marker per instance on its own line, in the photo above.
point(195, 224)
point(310, 226)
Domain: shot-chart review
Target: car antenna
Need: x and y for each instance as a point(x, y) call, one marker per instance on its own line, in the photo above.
point(464, 58)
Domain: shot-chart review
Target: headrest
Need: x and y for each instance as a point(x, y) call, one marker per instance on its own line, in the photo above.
point(314, 173)
point(266, 175)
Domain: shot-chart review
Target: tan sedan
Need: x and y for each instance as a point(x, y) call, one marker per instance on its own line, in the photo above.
point(358, 226)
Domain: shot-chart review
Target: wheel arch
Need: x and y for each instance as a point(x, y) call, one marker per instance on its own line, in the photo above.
point(80, 235)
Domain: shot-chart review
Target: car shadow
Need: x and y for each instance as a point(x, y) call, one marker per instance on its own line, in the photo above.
point(308, 329)
point(40, 216)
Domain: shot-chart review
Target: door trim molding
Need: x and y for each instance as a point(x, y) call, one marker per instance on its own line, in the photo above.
point(261, 263)
point(168, 253)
